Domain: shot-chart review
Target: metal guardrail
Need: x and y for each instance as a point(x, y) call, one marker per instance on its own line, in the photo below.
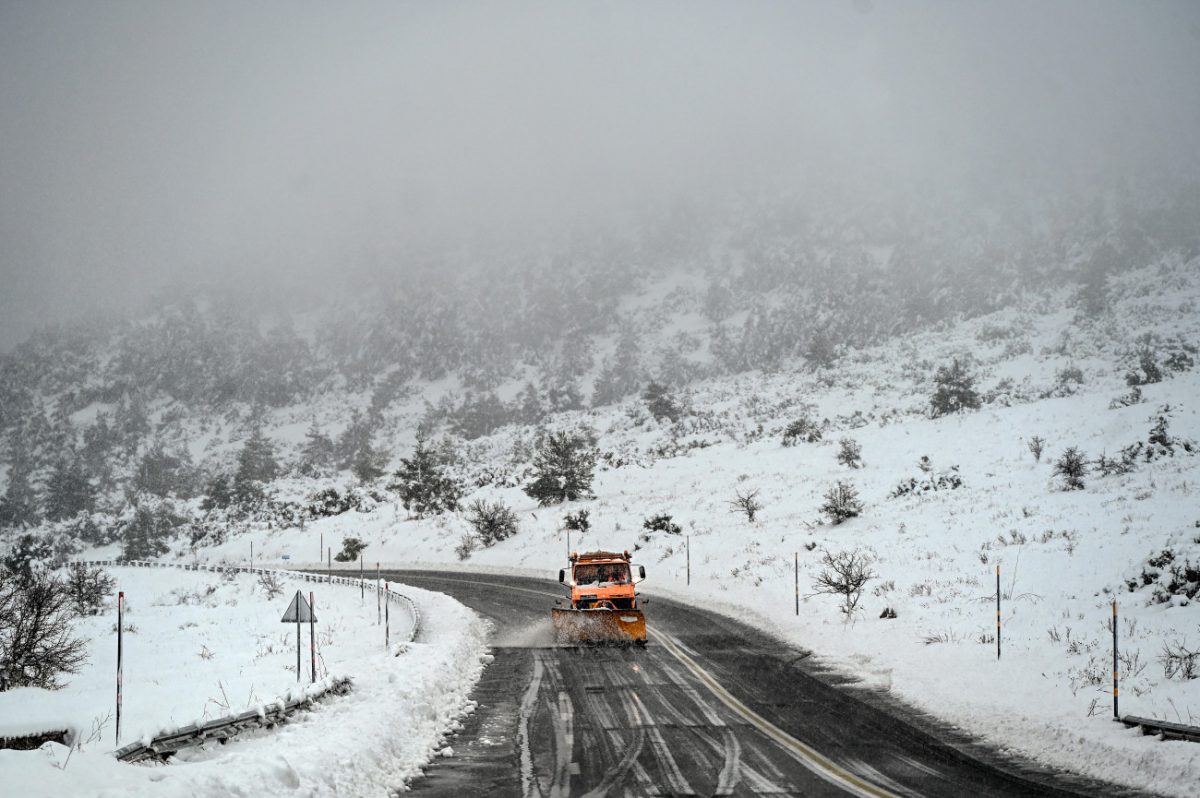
point(1163, 728)
point(223, 728)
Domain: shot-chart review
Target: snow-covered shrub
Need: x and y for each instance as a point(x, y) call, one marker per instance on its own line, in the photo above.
point(1146, 372)
point(659, 523)
point(351, 549)
point(36, 642)
point(842, 502)
point(850, 453)
point(745, 502)
point(578, 522)
point(1180, 661)
point(89, 588)
point(802, 430)
point(844, 574)
point(492, 521)
point(929, 481)
point(270, 584)
point(1134, 397)
point(466, 547)
point(1169, 576)
point(1037, 445)
point(1072, 467)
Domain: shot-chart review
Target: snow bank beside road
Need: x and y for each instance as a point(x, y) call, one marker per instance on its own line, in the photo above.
point(365, 743)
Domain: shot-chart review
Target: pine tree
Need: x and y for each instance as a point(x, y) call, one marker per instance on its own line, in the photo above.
point(256, 460)
point(162, 473)
point(661, 403)
point(369, 463)
point(145, 535)
point(68, 490)
point(563, 468)
point(423, 484)
point(955, 390)
point(19, 504)
point(318, 451)
point(529, 406)
point(218, 493)
point(622, 373)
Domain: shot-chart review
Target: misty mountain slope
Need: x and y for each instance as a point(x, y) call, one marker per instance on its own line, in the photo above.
point(1043, 368)
point(933, 531)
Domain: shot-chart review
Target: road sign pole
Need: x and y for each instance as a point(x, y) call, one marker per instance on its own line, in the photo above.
point(120, 657)
point(330, 554)
point(387, 618)
point(362, 582)
point(297, 636)
point(378, 598)
point(252, 555)
point(688, 547)
point(312, 636)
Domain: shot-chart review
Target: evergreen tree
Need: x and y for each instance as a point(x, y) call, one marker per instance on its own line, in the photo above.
point(661, 403)
point(423, 484)
point(563, 468)
point(369, 463)
point(68, 490)
point(19, 504)
point(529, 405)
point(317, 453)
point(218, 493)
point(955, 390)
point(256, 460)
point(145, 535)
point(622, 373)
point(479, 415)
point(162, 473)
point(356, 435)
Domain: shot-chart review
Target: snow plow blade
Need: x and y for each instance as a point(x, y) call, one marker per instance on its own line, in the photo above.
point(576, 627)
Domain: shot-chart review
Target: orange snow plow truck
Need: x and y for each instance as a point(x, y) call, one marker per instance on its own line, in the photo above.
point(604, 607)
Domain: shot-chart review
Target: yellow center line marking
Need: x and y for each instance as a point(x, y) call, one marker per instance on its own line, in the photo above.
point(815, 761)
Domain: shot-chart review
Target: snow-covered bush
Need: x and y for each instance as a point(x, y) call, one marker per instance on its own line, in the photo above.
point(802, 430)
point(89, 588)
point(36, 640)
point(492, 521)
point(850, 453)
point(844, 574)
point(659, 523)
point(1072, 467)
point(841, 502)
point(351, 549)
point(745, 502)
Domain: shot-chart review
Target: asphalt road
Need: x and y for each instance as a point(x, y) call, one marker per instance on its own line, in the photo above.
point(709, 707)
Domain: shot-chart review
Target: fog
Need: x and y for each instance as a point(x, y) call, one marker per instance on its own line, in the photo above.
point(144, 144)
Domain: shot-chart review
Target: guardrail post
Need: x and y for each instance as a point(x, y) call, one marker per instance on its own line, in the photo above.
point(120, 657)
point(1116, 713)
point(997, 612)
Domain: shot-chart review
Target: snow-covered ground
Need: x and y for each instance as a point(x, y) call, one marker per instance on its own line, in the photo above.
point(200, 645)
point(1064, 555)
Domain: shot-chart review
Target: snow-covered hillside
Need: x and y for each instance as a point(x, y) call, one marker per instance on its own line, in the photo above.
point(1064, 555)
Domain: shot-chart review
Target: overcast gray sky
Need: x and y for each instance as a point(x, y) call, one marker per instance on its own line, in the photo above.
point(142, 143)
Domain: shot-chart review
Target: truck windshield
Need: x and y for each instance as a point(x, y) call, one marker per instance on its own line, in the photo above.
point(607, 573)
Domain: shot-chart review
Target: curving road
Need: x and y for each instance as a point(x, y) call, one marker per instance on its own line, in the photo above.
point(710, 707)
